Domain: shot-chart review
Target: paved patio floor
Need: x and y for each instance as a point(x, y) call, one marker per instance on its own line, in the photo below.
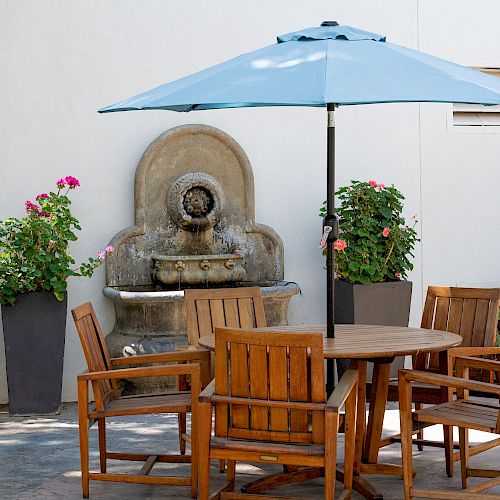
point(39, 459)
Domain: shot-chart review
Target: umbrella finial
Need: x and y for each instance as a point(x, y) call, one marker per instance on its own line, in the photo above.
point(329, 23)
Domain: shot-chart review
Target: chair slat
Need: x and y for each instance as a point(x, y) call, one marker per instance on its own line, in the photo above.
point(278, 387)
point(221, 387)
point(441, 316)
point(257, 357)
point(455, 315)
point(232, 313)
point(239, 383)
point(217, 313)
point(204, 317)
point(480, 319)
point(246, 313)
point(299, 385)
point(467, 326)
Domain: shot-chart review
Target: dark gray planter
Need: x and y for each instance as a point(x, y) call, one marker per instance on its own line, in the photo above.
point(34, 331)
point(374, 304)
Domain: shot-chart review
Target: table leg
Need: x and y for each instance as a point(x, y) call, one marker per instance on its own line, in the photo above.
point(360, 365)
point(378, 400)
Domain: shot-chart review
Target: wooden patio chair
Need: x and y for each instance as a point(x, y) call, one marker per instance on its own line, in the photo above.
point(270, 405)
point(103, 372)
point(482, 414)
point(232, 307)
point(471, 313)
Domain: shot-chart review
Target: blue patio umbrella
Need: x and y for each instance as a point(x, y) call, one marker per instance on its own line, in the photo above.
point(329, 66)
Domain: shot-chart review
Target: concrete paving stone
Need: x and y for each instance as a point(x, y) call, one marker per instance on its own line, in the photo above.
point(39, 459)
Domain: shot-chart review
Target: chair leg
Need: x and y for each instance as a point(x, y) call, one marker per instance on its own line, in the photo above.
point(204, 430)
point(101, 426)
point(331, 433)
point(181, 417)
point(464, 454)
point(405, 418)
point(448, 448)
point(231, 472)
point(350, 439)
point(83, 426)
point(420, 433)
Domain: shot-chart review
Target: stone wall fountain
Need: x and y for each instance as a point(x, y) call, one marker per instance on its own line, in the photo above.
point(194, 227)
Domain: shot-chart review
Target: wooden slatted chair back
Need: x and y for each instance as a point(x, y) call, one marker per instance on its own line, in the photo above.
point(96, 353)
point(231, 307)
point(267, 368)
point(469, 312)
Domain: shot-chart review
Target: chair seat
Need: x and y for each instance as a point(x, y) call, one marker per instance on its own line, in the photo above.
point(267, 447)
point(175, 402)
point(479, 413)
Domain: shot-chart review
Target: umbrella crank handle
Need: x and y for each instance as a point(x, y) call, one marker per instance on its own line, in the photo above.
point(332, 222)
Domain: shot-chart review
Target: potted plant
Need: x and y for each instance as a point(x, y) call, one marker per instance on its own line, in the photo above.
point(35, 265)
point(373, 255)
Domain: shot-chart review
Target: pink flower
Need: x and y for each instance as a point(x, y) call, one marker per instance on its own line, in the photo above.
point(381, 186)
point(372, 184)
point(415, 217)
point(72, 182)
point(340, 245)
point(61, 183)
point(43, 195)
point(404, 229)
point(397, 275)
point(41, 213)
point(386, 231)
point(31, 207)
point(101, 255)
point(110, 249)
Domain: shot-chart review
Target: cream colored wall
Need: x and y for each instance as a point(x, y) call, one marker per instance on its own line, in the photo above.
point(61, 61)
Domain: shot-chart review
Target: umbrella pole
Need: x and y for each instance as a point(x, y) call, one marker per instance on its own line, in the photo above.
point(331, 221)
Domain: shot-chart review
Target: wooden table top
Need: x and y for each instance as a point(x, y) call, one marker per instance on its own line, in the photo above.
point(368, 341)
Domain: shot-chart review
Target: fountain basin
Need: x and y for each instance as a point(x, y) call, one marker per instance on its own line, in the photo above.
point(184, 270)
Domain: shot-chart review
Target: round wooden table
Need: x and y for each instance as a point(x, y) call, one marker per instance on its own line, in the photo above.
point(363, 343)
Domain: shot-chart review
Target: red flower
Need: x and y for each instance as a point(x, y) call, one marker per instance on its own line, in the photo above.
point(43, 195)
point(397, 275)
point(386, 231)
point(340, 245)
point(372, 184)
point(72, 182)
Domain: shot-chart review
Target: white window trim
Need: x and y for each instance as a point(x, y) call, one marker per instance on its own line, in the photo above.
point(471, 108)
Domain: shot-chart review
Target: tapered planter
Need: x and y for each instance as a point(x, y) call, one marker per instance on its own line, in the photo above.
point(34, 330)
point(374, 304)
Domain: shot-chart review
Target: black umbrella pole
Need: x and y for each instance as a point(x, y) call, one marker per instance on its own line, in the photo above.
point(330, 221)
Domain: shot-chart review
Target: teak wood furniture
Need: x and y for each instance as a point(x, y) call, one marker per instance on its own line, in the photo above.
point(482, 414)
point(363, 343)
point(473, 314)
point(108, 403)
point(270, 404)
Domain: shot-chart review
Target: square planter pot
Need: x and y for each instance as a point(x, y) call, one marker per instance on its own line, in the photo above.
point(374, 304)
point(34, 330)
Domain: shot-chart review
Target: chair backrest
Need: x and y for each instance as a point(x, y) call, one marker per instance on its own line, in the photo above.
point(469, 312)
point(96, 353)
point(232, 307)
point(284, 367)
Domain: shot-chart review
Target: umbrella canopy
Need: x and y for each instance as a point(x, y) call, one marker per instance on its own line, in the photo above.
point(316, 66)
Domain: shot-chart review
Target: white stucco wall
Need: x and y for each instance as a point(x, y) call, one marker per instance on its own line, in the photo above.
point(62, 60)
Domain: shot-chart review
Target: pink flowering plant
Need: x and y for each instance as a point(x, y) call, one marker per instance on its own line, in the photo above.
point(34, 254)
point(375, 242)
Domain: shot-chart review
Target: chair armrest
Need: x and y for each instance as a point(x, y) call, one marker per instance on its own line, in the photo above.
point(207, 393)
point(199, 354)
point(147, 371)
point(473, 351)
point(409, 376)
point(478, 363)
point(347, 384)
